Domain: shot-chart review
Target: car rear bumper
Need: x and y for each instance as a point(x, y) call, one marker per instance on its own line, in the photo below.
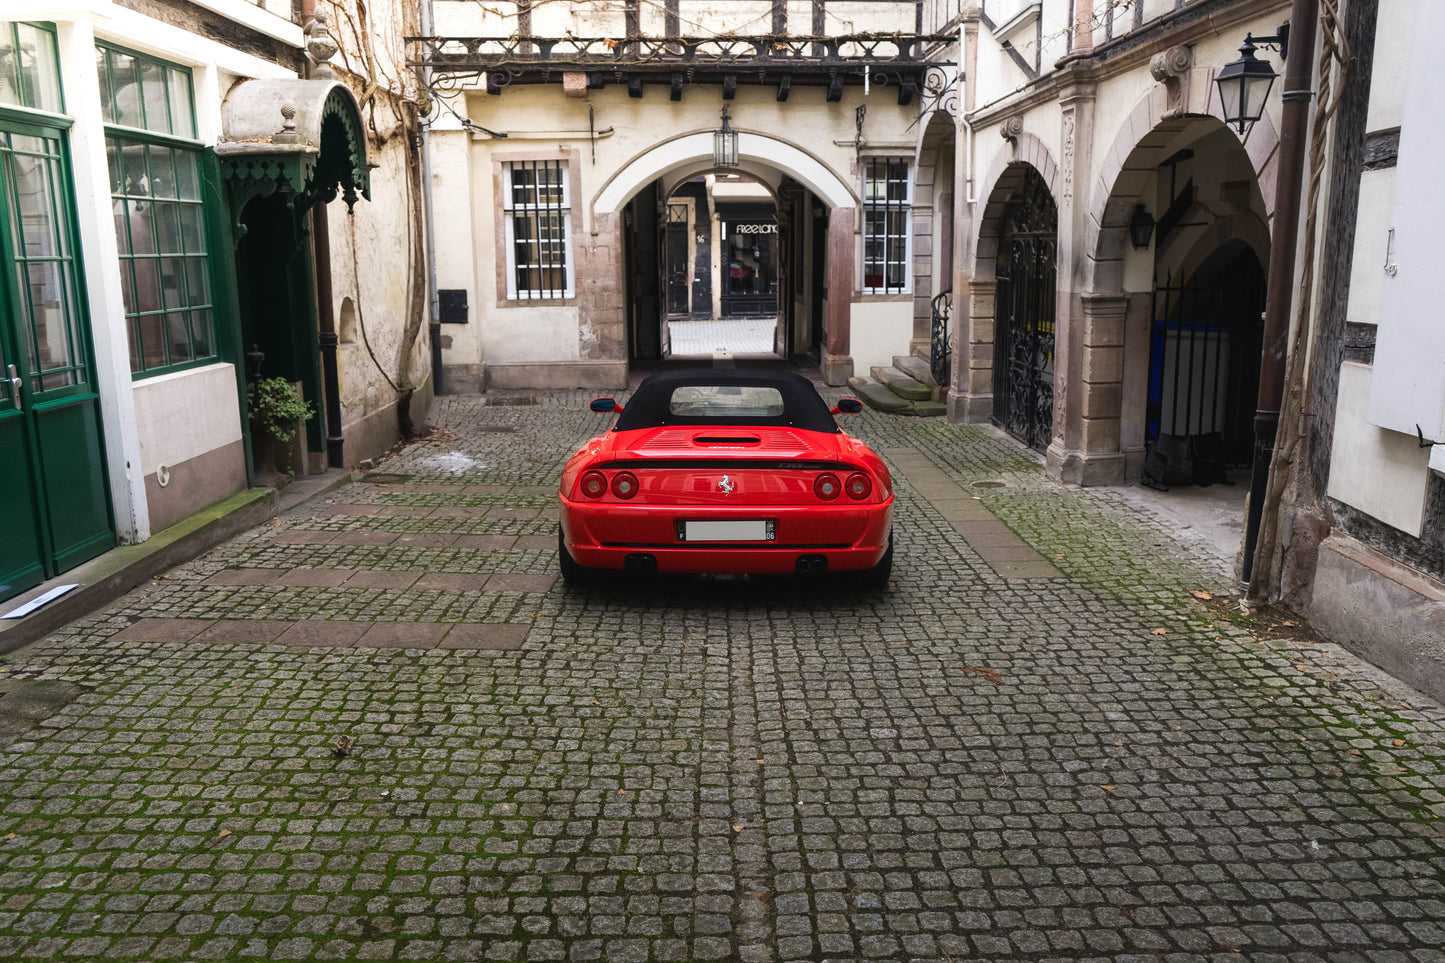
point(850, 537)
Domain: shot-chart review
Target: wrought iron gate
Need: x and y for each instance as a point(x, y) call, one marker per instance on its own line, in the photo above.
point(938, 352)
point(1023, 372)
point(1204, 358)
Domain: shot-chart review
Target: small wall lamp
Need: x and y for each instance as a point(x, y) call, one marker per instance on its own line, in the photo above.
point(1141, 227)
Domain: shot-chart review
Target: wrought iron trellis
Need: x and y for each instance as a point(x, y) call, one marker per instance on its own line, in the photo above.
point(880, 60)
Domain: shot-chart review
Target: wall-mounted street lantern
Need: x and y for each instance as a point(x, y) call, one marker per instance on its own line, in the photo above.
point(725, 143)
point(1244, 84)
point(1141, 226)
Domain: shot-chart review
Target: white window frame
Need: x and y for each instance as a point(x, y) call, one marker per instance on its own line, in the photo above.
point(511, 210)
point(869, 206)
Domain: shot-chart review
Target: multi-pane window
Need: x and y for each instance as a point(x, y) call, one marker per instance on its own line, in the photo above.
point(536, 200)
point(886, 218)
point(29, 67)
point(159, 216)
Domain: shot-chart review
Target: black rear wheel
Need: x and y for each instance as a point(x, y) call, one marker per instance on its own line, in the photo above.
point(878, 575)
point(572, 573)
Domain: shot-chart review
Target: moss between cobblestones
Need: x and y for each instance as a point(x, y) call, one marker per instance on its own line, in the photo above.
point(1110, 791)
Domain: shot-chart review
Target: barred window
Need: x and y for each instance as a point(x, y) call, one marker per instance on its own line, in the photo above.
point(160, 221)
point(537, 201)
point(887, 244)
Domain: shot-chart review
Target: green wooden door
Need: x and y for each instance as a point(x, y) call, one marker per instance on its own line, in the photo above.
point(54, 503)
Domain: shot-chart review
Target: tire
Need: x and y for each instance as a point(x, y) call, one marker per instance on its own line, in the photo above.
point(572, 573)
point(877, 577)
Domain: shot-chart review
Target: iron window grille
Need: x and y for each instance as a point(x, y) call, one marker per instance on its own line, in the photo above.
point(536, 200)
point(887, 218)
point(160, 219)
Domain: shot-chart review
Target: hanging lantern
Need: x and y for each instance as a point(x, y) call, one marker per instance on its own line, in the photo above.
point(725, 143)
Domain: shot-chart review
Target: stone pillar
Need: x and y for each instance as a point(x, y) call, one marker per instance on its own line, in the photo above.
point(971, 400)
point(601, 303)
point(1064, 460)
point(1135, 404)
point(837, 362)
point(1101, 389)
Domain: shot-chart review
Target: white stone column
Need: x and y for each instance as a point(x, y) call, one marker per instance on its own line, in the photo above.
point(101, 278)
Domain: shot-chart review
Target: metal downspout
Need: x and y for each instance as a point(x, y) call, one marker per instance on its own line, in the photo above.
point(434, 328)
point(1279, 284)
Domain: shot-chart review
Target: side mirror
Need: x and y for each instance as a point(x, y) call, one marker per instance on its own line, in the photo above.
point(604, 405)
point(848, 406)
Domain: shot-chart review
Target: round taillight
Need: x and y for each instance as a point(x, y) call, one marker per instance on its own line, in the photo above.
point(858, 485)
point(826, 486)
point(594, 484)
point(624, 484)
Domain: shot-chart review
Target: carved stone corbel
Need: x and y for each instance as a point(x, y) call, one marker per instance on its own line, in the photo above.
point(1011, 128)
point(1172, 68)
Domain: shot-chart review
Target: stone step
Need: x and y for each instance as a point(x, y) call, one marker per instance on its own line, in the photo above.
point(902, 385)
point(916, 368)
point(875, 395)
point(929, 409)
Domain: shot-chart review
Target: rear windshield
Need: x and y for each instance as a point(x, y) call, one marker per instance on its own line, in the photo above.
point(736, 397)
point(726, 401)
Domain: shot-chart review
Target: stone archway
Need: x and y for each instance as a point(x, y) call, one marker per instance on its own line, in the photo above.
point(599, 251)
point(972, 398)
point(1112, 372)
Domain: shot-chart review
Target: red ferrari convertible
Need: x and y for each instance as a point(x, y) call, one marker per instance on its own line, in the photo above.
point(726, 472)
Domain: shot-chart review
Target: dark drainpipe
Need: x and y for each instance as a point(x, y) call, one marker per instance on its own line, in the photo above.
point(331, 387)
point(1279, 284)
point(321, 237)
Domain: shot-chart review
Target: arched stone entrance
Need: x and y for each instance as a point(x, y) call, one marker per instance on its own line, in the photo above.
point(602, 251)
point(1205, 191)
point(972, 399)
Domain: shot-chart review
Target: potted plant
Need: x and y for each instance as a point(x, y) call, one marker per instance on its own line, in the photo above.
point(276, 411)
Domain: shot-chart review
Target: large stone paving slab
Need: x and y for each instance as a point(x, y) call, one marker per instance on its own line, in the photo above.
point(379, 728)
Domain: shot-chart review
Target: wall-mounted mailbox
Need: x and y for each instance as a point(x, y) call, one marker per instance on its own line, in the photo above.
point(452, 306)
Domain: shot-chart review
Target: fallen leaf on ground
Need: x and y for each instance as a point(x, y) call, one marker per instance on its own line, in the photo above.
point(991, 675)
point(223, 834)
point(1399, 742)
point(1160, 631)
point(737, 827)
point(1355, 752)
point(1110, 788)
point(1201, 594)
point(9, 835)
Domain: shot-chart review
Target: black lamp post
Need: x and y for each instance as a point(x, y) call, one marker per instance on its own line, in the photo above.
point(725, 143)
point(1244, 84)
point(1141, 226)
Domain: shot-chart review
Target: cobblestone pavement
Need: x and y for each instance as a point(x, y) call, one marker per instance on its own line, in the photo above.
point(970, 766)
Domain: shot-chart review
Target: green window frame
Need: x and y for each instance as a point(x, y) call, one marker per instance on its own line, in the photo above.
point(160, 218)
point(31, 79)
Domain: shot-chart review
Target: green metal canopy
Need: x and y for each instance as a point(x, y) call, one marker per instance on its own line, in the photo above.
point(304, 138)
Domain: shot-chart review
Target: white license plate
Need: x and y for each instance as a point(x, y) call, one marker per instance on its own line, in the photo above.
point(732, 531)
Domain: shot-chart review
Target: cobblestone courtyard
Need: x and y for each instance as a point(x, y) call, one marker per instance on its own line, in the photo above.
point(1038, 745)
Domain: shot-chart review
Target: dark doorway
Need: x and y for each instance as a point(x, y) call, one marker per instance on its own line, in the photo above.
point(274, 277)
point(1023, 372)
point(1204, 359)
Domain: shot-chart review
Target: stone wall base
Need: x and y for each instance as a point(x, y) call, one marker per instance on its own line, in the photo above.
point(369, 436)
point(1084, 469)
point(554, 374)
point(1382, 611)
point(966, 409)
point(837, 369)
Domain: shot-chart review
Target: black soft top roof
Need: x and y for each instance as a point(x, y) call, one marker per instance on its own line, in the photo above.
point(802, 406)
